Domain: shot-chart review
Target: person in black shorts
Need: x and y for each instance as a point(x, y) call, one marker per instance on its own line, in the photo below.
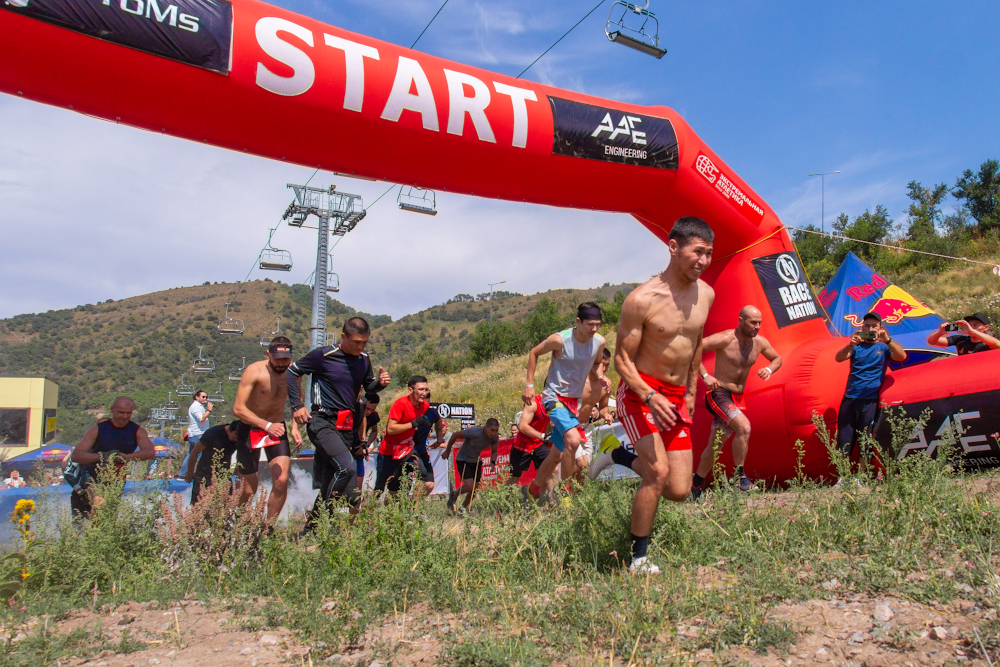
point(338, 375)
point(215, 448)
point(469, 458)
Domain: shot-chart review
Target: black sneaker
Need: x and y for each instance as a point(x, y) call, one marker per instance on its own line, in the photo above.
point(696, 492)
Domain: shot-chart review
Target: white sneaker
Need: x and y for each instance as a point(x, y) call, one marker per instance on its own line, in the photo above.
point(602, 461)
point(643, 566)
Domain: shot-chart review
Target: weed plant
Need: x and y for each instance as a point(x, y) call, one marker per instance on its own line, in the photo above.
point(532, 585)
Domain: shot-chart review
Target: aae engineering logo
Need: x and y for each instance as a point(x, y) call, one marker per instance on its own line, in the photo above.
point(625, 126)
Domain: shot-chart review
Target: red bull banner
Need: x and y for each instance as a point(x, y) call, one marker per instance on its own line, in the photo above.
point(856, 290)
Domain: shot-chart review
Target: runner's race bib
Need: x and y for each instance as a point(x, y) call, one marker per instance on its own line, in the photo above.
point(260, 438)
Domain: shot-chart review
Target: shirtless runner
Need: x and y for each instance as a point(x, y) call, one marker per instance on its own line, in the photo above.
point(736, 351)
point(658, 355)
point(260, 407)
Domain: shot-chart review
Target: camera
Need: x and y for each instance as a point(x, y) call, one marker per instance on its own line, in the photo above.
point(951, 326)
point(867, 335)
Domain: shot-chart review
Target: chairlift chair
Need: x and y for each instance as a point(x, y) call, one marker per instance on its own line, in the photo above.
point(332, 282)
point(266, 337)
point(201, 364)
point(417, 200)
point(217, 397)
point(171, 404)
point(236, 374)
point(274, 259)
point(230, 326)
point(644, 37)
point(184, 389)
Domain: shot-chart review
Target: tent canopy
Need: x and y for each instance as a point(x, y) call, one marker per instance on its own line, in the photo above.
point(53, 453)
point(856, 290)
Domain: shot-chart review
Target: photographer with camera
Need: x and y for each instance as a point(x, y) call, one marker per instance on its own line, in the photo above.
point(869, 350)
point(968, 335)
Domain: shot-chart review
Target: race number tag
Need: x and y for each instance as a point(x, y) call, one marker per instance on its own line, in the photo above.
point(260, 438)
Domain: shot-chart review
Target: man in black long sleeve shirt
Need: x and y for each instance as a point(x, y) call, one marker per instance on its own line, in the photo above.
point(339, 374)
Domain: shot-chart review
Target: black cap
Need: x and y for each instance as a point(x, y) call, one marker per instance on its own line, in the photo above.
point(280, 350)
point(873, 315)
point(982, 317)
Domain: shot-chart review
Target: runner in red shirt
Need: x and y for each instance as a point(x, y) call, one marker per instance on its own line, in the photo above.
point(529, 443)
point(397, 456)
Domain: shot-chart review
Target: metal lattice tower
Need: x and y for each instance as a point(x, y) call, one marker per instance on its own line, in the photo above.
point(345, 211)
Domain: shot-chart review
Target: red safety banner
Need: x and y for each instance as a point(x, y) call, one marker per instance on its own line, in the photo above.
point(492, 474)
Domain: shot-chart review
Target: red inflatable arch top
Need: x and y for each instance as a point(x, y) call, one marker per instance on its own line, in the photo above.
point(251, 77)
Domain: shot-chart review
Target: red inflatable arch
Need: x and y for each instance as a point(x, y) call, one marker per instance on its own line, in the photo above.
point(251, 77)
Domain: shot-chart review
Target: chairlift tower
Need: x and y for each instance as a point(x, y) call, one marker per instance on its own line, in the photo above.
point(345, 211)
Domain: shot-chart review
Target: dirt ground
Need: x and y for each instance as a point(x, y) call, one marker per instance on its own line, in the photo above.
point(854, 631)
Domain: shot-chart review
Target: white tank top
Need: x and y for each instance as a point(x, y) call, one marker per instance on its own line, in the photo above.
point(568, 372)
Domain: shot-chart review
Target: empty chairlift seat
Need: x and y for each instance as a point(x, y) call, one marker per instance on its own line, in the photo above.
point(218, 396)
point(236, 374)
point(417, 200)
point(274, 259)
point(635, 27)
point(267, 336)
point(201, 364)
point(230, 326)
point(184, 389)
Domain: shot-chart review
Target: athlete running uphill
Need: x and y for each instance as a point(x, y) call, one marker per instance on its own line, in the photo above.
point(338, 375)
point(260, 407)
point(658, 354)
point(469, 458)
point(407, 415)
point(736, 351)
point(574, 354)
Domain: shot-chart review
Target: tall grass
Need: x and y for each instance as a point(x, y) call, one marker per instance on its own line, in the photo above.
point(532, 585)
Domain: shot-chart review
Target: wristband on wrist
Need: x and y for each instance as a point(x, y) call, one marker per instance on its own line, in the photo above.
point(649, 396)
point(269, 425)
point(704, 375)
point(529, 384)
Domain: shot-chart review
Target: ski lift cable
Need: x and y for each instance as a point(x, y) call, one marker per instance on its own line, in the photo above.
point(429, 24)
point(560, 39)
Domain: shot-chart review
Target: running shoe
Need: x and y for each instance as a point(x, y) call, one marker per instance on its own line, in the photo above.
point(745, 485)
point(643, 566)
point(602, 461)
point(696, 492)
point(528, 495)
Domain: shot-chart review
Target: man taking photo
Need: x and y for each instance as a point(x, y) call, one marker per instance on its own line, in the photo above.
point(869, 350)
point(968, 335)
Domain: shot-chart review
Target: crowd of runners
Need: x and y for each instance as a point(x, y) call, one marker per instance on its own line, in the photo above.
point(658, 357)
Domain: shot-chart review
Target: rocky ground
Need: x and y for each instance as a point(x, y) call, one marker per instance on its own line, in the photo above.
point(850, 630)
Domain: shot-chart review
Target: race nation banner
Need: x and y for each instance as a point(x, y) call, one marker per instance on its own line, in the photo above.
point(195, 32)
point(788, 292)
point(597, 133)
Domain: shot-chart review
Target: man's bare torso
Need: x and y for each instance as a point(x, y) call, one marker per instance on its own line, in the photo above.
point(269, 392)
point(672, 327)
point(734, 361)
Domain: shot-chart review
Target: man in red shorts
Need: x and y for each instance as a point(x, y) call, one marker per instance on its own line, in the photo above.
point(657, 357)
point(736, 351)
point(398, 453)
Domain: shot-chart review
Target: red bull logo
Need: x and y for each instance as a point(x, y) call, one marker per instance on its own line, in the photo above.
point(893, 306)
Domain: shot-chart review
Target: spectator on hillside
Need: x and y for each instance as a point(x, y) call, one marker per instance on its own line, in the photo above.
point(869, 351)
point(973, 335)
point(197, 424)
point(14, 481)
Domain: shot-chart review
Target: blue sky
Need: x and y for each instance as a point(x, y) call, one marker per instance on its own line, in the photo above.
point(884, 92)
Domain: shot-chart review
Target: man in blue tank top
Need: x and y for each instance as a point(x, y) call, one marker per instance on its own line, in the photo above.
point(105, 449)
point(574, 353)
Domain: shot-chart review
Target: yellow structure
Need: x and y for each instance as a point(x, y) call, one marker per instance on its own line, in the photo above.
point(27, 414)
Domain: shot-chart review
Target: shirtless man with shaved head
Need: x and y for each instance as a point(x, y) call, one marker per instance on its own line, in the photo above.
point(736, 351)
